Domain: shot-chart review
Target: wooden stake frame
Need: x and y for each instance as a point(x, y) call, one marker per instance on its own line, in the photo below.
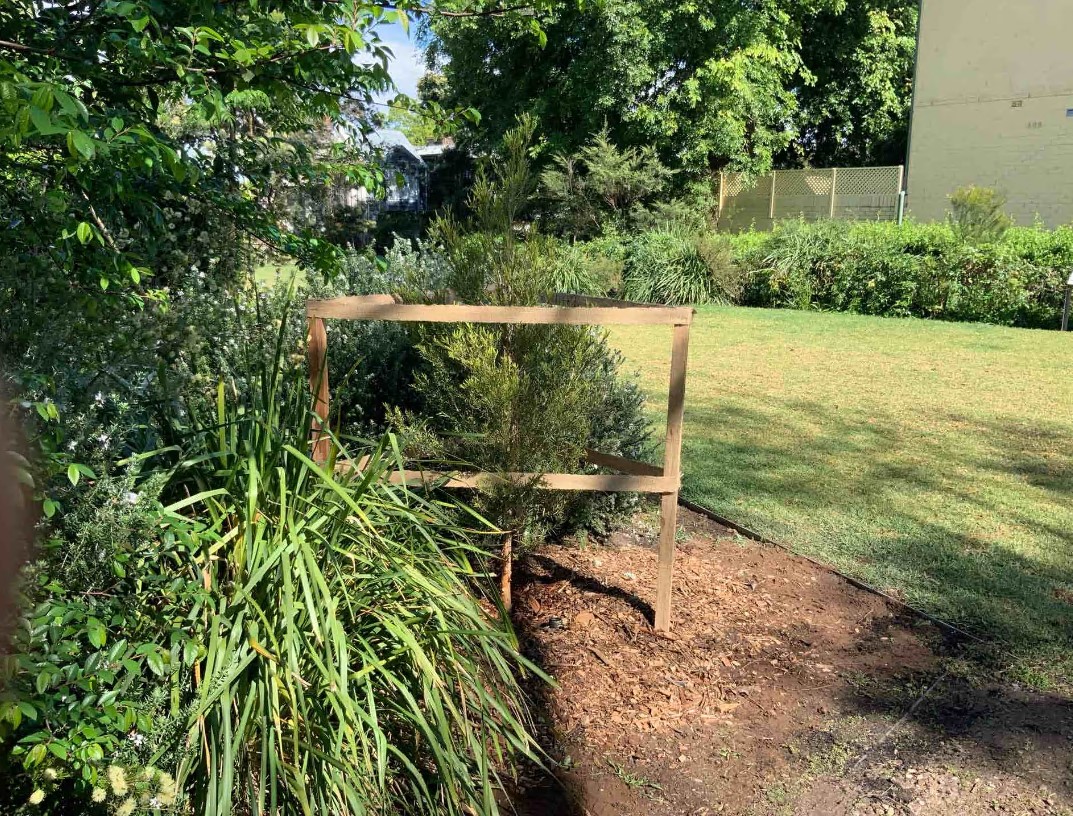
point(574, 310)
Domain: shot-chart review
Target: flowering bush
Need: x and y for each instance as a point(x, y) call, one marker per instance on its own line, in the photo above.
point(106, 636)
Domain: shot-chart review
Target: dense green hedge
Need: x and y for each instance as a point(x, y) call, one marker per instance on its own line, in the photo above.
point(920, 270)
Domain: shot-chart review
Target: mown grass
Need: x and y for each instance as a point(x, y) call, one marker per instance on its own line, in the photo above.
point(274, 272)
point(933, 460)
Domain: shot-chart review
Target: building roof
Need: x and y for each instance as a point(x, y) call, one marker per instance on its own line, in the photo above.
point(431, 150)
point(389, 138)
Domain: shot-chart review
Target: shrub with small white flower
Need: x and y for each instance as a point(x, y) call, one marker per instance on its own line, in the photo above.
point(129, 790)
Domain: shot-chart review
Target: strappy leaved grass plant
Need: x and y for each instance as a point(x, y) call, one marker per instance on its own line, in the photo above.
point(351, 662)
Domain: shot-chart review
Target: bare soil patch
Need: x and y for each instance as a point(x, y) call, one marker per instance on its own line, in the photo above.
point(782, 690)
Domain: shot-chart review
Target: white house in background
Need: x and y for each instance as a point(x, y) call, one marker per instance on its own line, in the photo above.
point(993, 106)
point(401, 163)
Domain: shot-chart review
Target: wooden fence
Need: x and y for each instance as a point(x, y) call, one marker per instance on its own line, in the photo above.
point(850, 193)
point(564, 310)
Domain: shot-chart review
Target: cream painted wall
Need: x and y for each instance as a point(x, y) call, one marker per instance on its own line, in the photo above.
point(994, 106)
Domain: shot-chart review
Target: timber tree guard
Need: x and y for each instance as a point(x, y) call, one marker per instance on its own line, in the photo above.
point(575, 310)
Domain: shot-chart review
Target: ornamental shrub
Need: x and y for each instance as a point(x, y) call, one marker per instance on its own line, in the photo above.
point(977, 214)
point(206, 619)
point(517, 398)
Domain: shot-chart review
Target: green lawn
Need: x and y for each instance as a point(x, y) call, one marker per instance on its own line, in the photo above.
point(274, 272)
point(933, 460)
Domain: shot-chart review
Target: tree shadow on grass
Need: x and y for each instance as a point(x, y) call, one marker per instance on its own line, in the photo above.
point(973, 526)
point(935, 719)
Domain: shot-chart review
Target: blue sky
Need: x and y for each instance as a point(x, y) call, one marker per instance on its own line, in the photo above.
point(408, 66)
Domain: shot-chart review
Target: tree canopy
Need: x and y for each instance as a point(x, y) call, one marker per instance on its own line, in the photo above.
point(722, 83)
point(140, 138)
point(856, 87)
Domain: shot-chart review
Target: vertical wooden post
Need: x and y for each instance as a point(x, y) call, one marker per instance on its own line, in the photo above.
point(722, 193)
point(1066, 303)
point(834, 184)
point(771, 204)
point(672, 460)
point(508, 569)
point(317, 348)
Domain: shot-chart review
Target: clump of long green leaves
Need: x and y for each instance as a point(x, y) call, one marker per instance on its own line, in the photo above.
point(665, 266)
point(349, 664)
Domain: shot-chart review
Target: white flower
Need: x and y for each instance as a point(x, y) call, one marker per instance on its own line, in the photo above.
point(99, 398)
point(136, 738)
point(169, 791)
point(37, 797)
point(155, 803)
point(118, 780)
point(98, 795)
point(72, 445)
point(104, 439)
point(131, 498)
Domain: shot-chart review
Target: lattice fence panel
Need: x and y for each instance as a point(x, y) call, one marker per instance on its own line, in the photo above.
point(862, 193)
point(867, 193)
point(803, 193)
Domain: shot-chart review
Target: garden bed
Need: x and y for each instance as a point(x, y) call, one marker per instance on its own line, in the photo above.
point(782, 689)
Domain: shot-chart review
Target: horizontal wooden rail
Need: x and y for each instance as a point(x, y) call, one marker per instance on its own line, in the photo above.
point(566, 299)
point(596, 483)
point(363, 308)
point(622, 464)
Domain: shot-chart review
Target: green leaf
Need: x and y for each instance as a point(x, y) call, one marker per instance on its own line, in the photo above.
point(58, 749)
point(312, 36)
point(49, 507)
point(14, 716)
point(71, 106)
point(84, 232)
point(44, 97)
point(56, 201)
point(140, 24)
point(538, 31)
point(43, 122)
point(36, 756)
point(155, 663)
point(73, 475)
point(41, 682)
point(96, 632)
point(80, 144)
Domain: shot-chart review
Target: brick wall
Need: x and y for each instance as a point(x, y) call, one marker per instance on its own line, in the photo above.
point(994, 106)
